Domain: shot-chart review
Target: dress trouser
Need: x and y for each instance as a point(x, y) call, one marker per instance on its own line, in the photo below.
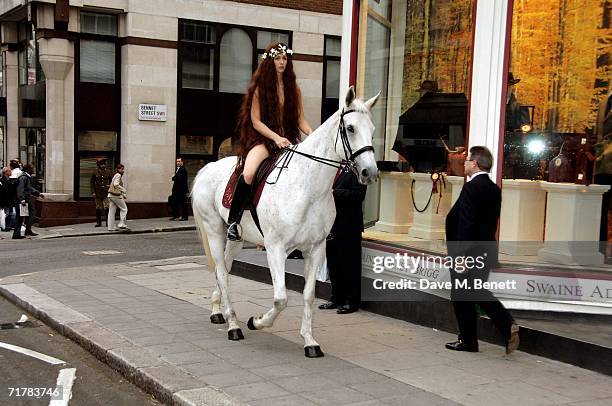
point(344, 263)
point(179, 201)
point(464, 304)
point(114, 203)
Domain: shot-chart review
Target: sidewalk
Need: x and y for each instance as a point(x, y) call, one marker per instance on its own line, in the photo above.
point(151, 322)
point(138, 226)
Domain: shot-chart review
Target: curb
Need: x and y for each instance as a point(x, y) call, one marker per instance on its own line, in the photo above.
point(97, 233)
point(137, 365)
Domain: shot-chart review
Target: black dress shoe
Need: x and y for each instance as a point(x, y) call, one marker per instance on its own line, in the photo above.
point(346, 309)
point(31, 233)
point(328, 306)
point(18, 237)
point(461, 346)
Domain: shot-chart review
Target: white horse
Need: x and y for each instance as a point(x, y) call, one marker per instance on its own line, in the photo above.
point(296, 212)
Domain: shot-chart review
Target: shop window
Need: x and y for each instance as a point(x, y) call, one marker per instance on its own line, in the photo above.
point(331, 83)
point(559, 83)
point(236, 61)
point(197, 32)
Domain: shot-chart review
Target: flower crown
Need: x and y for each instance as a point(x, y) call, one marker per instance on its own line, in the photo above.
point(276, 51)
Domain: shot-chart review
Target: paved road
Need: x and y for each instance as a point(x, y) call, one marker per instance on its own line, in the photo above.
point(32, 255)
point(95, 383)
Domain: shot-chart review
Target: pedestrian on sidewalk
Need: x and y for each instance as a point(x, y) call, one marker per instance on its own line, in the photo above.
point(7, 198)
point(471, 226)
point(117, 195)
point(344, 244)
point(15, 167)
point(100, 182)
point(180, 190)
point(25, 209)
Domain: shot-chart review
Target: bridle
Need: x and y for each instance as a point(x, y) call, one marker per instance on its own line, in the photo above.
point(349, 156)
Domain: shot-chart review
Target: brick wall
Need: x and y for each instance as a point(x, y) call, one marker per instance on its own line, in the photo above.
point(321, 6)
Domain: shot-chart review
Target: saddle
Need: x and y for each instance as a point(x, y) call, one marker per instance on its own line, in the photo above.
point(264, 170)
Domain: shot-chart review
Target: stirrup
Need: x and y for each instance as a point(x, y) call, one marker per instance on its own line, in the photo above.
point(234, 235)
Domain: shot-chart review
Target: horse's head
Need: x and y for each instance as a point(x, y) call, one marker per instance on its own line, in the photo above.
point(356, 124)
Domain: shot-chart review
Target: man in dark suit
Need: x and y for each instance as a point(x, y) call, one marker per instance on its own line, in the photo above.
point(25, 191)
point(471, 227)
point(180, 190)
point(344, 244)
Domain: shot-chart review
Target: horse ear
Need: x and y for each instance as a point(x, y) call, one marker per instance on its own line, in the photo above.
point(350, 96)
point(370, 103)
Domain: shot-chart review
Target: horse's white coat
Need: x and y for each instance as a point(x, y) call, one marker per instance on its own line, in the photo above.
point(297, 212)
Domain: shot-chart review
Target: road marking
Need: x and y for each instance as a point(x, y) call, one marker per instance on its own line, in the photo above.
point(108, 252)
point(46, 358)
point(65, 379)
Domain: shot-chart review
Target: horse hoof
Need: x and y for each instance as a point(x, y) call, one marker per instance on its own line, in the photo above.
point(251, 325)
point(313, 351)
point(217, 318)
point(235, 334)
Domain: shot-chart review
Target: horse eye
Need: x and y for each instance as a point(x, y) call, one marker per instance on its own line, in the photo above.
point(350, 128)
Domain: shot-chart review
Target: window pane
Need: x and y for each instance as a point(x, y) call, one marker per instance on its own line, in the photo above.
point(197, 67)
point(333, 47)
point(101, 24)
point(265, 38)
point(332, 80)
point(436, 72)
point(559, 80)
point(196, 144)
point(87, 167)
point(382, 7)
point(196, 32)
point(97, 61)
point(98, 141)
point(236, 61)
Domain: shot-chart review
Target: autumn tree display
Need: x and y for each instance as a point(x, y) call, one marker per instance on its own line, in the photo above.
point(437, 47)
point(562, 51)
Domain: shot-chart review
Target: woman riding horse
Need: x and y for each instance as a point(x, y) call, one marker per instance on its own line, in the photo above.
point(270, 118)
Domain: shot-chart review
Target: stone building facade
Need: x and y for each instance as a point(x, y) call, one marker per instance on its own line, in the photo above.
point(76, 73)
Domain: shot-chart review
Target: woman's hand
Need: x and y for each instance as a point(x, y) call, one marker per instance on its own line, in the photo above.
point(282, 142)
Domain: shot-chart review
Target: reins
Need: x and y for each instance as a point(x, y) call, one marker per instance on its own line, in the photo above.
point(349, 155)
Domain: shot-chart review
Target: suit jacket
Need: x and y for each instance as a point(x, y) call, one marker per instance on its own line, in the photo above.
point(180, 186)
point(471, 223)
point(348, 197)
point(25, 188)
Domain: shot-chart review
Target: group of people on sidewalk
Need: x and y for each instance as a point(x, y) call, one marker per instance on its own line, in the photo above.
point(109, 194)
point(17, 194)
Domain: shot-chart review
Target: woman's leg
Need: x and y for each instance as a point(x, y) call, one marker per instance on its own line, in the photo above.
point(253, 159)
point(122, 212)
point(110, 220)
point(243, 189)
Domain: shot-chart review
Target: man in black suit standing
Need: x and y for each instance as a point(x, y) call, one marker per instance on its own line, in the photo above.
point(344, 244)
point(471, 227)
point(180, 190)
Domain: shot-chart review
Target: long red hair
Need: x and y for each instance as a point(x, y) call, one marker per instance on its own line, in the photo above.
point(264, 80)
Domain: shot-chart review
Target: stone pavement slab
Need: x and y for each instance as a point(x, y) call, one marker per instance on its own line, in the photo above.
point(149, 320)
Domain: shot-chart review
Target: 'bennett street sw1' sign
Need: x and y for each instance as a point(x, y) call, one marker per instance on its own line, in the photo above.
point(152, 112)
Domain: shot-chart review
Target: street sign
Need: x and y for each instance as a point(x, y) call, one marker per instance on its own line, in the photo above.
point(152, 112)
